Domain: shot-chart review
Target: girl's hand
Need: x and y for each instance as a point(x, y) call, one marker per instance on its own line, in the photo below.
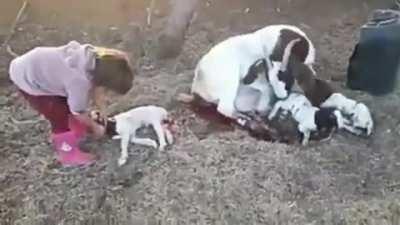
point(97, 130)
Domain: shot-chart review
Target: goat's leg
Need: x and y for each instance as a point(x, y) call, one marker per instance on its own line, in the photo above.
point(116, 137)
point(160, 135)
point(352, 129)
point(241, 121)
point(306, 138)
point(226, 105)
point(144, 141)
point(124, 149)
point(283, 114)
point(243, 118)
point(274, 110)
point(168, 136)
point(141, 141)
point(306, 134)
point(227, 108)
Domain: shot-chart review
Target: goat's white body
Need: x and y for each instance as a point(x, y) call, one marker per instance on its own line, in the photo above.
point(340, 102)
point(359, 113)
point(301, 110)
point(219, 73)
point(127, 123)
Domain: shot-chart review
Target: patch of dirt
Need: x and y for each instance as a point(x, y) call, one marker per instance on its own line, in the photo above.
point(222, 177)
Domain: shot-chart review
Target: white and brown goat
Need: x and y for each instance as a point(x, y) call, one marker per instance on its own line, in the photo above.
point(221, 75)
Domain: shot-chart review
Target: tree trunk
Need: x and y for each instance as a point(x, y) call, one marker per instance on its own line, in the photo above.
point(172, 37)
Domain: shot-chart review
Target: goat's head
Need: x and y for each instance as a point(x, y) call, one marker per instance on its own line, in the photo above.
point(328, 119)
point(316, 90)
point(95, 115)
point(361, 119)
point(280, 75)
point(110, 123)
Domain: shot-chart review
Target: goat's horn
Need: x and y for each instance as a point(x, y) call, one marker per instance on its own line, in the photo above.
point(286, 53)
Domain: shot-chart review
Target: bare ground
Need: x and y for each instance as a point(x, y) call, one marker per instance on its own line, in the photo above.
point(206, 177)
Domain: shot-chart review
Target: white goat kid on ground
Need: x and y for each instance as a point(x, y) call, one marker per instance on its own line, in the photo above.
point(308, 117)
point(321, 94)
point(360, 116)
point(125, 125)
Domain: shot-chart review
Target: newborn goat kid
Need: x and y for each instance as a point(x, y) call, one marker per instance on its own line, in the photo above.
point(322, 94)
point(360, 116)
point(309, 118)
point(125, 125)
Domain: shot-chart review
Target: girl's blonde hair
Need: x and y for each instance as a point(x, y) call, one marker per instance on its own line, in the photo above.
point(113, 70)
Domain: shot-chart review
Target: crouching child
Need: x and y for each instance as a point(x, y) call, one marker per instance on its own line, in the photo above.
point(59, 82)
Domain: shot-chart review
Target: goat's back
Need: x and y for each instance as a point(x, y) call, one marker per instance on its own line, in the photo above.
point(144, 114)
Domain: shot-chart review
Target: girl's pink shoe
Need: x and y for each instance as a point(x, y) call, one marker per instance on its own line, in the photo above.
point(68, 152)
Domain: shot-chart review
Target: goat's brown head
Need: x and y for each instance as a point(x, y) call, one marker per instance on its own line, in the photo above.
point(280, 74)
point(110, 123)
point(315, 89)
point(95, 115)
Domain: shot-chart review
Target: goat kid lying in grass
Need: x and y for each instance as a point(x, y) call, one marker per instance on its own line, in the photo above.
point(308, 117)
point(358, 112)
point(321, 94)
point(125, 125)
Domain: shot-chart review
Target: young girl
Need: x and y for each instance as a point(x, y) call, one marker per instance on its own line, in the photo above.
point(59, 83)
